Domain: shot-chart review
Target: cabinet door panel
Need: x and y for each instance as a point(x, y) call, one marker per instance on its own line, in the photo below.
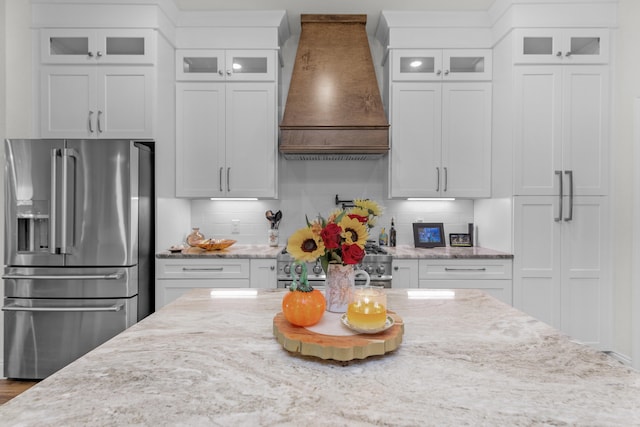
point(537, 263)
point(200, 133)
point(538, 136)
point(416, 125)
point(200, 64)
point(416, 64)
point(125, 102)
point(466, 140)
point(250, 145)
point(68, 102)
point(263, 273)
point(586, 291)
point(585, 128)
point(405, 273)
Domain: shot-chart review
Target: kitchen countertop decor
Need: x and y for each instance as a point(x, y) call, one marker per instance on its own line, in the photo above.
point(210, 358)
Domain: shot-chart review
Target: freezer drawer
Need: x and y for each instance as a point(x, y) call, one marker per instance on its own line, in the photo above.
point(86, 282)
point(42, 336)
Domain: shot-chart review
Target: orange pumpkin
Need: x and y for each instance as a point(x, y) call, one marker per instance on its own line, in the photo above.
point(303, 308)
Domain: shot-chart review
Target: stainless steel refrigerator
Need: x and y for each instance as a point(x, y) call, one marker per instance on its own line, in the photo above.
point(79, 239)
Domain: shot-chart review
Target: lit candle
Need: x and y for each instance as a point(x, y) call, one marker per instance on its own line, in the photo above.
point(368, 308)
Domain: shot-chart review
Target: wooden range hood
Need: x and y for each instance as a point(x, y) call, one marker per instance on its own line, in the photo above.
point(334, 109)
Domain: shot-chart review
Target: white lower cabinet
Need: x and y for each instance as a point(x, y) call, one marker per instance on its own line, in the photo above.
point(405, 273)
point(263, 273)
point(493, 276)
point(174, 277)
point(561, 264)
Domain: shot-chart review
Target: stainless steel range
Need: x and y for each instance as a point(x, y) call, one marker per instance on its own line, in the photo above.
point(376, 262)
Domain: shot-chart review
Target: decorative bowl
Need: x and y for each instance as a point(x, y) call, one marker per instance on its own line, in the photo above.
point(215, 244)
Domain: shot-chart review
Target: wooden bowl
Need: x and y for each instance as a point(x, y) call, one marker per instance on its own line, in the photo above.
point(215, 244)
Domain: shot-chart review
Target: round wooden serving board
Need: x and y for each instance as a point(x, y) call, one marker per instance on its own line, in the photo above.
point(298, 339)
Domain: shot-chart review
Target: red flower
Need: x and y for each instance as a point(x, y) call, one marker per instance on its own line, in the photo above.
point(352, 254)
point(331, 236)
point(362, 219)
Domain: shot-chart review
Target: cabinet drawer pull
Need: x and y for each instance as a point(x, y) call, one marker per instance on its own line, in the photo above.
point(465, 269)
point(202, 268)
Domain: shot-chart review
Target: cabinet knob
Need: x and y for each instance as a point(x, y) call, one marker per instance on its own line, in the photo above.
point(559, 53)
point(99, 54)
point(438, 72)
point(273, 267)
point(221, 72)
point(229, 72)
point(90, 54)
point(446, 72)
point(568, 53)
point(396, 268)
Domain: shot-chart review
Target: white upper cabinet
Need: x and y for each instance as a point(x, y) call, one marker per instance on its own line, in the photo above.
point(87, 46)
point(561, 46)
point(97, 83)
point(96, 102)
point(229, 65)
point(441, 64)
point(440, 140)
point(226, 139)
point(561, 138)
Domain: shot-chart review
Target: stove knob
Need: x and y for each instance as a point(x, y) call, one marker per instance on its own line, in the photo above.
point(298, 269)
point(380, 270)
point(287, 269)
point(317, 269)
point(369, 269)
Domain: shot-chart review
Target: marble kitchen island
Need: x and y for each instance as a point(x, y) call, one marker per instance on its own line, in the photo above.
point(210, 358)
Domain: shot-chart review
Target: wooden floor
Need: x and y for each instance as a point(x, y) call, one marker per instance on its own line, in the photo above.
point(11, 388)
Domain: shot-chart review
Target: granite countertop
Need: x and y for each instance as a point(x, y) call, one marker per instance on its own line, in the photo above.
point(399, 252)
point(411, 252)
point(235, 251)
point(466, 360)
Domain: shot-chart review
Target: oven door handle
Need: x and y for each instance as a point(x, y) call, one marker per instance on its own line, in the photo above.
point(113, 276)
point(15, 307)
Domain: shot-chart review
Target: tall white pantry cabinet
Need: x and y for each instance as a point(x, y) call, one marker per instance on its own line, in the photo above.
point(560, 180)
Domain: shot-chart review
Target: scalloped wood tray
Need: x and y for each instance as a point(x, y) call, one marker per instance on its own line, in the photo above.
point(297, 339)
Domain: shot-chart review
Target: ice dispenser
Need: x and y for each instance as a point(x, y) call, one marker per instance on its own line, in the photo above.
point(33, 226)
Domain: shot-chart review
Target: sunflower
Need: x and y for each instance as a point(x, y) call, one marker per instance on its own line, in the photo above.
point(304, 245)
point(354, 231)
point(370, 206)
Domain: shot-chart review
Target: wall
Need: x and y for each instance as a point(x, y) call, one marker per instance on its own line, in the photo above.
point(626, 88)
point(3, 66)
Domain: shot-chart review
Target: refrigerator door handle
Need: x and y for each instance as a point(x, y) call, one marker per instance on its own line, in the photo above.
point(67, 153)
point(14, 307)
point(113, 276)
point(55, 153)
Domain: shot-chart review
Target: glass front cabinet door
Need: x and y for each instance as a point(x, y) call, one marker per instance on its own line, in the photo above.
point(561, 46)
point(214, 65)
point(437, 64)
point(83, 46)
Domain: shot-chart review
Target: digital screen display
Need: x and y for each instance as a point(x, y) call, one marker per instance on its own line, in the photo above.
point(429, 234)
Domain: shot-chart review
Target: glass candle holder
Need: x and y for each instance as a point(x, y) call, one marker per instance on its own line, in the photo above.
point(368, 307)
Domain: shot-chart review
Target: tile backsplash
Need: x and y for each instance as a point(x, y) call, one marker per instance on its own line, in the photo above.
point(308, 188)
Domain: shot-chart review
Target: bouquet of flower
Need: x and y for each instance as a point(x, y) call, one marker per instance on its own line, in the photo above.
point(339, 239)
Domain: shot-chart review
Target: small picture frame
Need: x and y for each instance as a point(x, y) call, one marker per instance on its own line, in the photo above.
point(459, 240)
point(428, 234)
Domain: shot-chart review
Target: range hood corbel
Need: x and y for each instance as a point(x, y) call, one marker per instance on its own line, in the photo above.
point(334, 109)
